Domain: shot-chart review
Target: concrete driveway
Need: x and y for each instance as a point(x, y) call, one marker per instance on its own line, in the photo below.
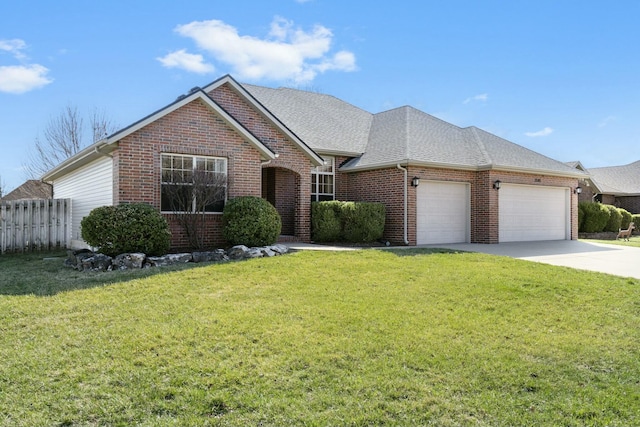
point(612, 259)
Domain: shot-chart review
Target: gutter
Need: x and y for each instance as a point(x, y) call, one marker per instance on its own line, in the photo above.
point(405, 228)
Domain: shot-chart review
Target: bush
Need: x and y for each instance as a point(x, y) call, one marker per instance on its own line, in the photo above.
point(352, 222)
point(636, 221)
point(596, 216)
point(626, 218)
point(363, 222)
point(126, 228)
point(325, 221)
point(250, 221)
point(615, 219)
point(581, 215)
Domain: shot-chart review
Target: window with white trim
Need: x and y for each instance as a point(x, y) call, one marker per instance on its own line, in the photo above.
point(322, 181)
point(193, 183)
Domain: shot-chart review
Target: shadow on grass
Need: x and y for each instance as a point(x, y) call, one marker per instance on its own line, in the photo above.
point(401, 252)
point(44, 274)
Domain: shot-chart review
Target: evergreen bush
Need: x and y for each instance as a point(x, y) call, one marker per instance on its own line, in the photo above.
point(615, 219)
point(325, 221)
point(351, 222)
point(596, 216)
point(626, 218)
point(250, 221)
point(126, 228)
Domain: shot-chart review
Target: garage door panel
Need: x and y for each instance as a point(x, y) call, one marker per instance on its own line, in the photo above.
point(529, 213)
point(442, 213)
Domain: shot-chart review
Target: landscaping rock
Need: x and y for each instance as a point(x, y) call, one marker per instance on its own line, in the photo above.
point(254, 253)
point(268, 252)
point(217, 255)
point(238, 252)
point(97, 262)
point(129, 261)
point(171, 259)
point(75, 258)
point(279, 249)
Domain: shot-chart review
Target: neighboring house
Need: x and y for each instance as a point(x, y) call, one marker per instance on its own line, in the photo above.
point(30, 190)
point(437, 181)
point(615, 185)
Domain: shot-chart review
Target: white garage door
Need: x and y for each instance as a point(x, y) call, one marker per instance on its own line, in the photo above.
point(442, 211)
point(530, 213)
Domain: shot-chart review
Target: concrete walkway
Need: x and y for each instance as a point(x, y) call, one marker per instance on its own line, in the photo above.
point(612, 259)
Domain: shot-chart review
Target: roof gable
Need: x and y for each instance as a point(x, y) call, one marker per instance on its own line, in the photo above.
point(265, 112)
point(109, 144)
point(617, 180)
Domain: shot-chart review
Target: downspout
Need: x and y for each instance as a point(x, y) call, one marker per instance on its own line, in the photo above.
point(405, 231)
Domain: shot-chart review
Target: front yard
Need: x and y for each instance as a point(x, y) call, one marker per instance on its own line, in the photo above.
point(355, 338)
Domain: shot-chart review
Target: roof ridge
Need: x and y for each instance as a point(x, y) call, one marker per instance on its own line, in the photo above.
point(480, 143)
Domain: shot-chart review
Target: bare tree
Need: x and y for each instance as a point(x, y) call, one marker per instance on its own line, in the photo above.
point(191, 198)
point(2, 187)
point(62, 138)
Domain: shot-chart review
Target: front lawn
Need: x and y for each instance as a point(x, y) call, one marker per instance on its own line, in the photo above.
point(633, 241)
point(353, 338)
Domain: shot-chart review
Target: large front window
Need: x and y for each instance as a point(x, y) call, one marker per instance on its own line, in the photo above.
point(322, 179)
point(193, 183)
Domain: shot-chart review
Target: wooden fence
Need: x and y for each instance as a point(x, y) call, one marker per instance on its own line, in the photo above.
point(34, 225)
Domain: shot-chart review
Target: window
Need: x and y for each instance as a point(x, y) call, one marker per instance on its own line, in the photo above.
point(322, 178)
point(193, 183)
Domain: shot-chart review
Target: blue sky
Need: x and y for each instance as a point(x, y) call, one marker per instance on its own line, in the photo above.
point(560, 77)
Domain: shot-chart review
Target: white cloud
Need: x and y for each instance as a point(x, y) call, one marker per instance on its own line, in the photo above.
point(23, 78)
point(286, 53)
point(482, 97)
point(544, 132)
point(186, 61)
point(606, 121)
point(14, 47)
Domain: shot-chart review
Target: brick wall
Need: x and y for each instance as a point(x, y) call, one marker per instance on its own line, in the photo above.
point(193, 129)
point(387, 186)
point(630, 203)
point(290, 156)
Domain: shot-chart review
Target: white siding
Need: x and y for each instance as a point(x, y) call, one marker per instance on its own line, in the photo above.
point(88, 187)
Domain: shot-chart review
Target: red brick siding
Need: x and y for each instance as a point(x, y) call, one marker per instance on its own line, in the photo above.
point(290, 156)
point(193, 129)
point(630, 203)
point(387, 186)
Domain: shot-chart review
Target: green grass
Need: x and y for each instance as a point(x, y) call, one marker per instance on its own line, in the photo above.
point(633, 241)
point(354, 338)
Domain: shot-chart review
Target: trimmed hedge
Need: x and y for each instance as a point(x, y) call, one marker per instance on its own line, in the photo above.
point(627, 218)
point(615, 219)
point(351, 222)
point(126, 228)
point(250, 221)
point(596, 216)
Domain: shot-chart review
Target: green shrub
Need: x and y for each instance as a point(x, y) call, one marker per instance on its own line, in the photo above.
point(352, 222)
point(626, 218)
point(250, 221)
point(325, 221)
point(635, 218)
point(126, 228)
point(615, 219)
point(363, 222)
point(596, 216)
point(581, 215)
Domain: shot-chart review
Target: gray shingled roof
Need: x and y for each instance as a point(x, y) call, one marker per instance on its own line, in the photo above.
point(617, 180)
point(403, 135)
point(323, 122)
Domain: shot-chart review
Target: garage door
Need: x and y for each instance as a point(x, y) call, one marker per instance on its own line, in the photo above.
point(442, 210)
point(530, 213)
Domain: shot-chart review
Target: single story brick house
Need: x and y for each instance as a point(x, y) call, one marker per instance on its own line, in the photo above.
point(439, 183)
point(613, 185)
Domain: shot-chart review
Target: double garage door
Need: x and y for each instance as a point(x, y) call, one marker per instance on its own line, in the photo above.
point(526, 213)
